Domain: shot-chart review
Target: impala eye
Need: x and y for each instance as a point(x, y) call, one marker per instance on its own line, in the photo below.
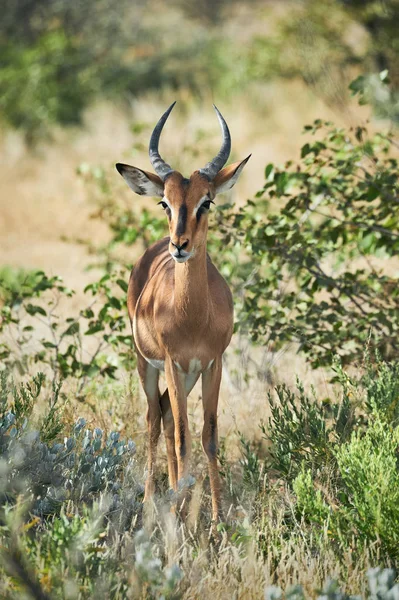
point(207, 204)
point(166, 208)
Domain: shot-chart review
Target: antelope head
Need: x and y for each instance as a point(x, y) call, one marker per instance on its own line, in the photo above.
point(186, 201)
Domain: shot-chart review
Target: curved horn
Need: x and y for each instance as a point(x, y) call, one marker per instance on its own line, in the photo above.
point(160, 166)
point(212, 168)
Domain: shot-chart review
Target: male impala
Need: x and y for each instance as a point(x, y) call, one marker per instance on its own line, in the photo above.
point(181, 309)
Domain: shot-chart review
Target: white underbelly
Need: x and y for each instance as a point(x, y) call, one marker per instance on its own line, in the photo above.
point(157, 364)
point(190, 378)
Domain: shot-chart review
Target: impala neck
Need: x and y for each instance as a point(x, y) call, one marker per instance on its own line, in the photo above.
point(191, 288)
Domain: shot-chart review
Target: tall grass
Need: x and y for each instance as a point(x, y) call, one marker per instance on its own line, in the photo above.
point(315, 500)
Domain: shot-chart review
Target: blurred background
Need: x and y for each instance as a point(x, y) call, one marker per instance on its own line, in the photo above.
point(82, 85)
point(86, 82)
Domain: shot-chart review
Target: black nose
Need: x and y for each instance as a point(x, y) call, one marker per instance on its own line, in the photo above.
point(180, 247)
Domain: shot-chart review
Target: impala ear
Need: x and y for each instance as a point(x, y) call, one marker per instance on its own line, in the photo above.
point(227, 177)
point(141, 182)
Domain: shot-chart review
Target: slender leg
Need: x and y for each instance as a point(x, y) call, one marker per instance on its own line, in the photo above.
point(175, 381)
point(149, 376)
point(210, 395)
point(169, 430)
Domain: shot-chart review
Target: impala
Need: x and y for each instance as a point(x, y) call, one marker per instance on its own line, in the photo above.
point(180, 308)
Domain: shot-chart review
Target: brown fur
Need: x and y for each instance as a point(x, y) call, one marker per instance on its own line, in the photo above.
point(182, 314)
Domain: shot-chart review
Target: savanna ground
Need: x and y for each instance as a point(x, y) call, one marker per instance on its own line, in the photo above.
point(309, 406)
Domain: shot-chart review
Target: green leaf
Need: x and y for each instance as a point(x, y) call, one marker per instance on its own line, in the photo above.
point(115, 303)
point(95, 328)
point(122, 284)
point(32, 309)
point(72, 329)
point(305, 150)
point(269, 172)
point(47, 344)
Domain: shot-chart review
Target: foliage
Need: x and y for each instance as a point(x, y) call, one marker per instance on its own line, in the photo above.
point(379, 20)
point(312, 45)
point(24, 397)
point(323, 43)
point(343, 470)
point(64, 57)
point(304, 431)
point(366, 502)
point(35, 304)
point(54, 62)
point(31, 95)
point(71, 512)
point(375, 90)
point(315, 275)
point(55, 472)
point(368, 465)
point(61, 501)
point(58, 58)
point(381, 383)
point(12, 280)
point(381, 585)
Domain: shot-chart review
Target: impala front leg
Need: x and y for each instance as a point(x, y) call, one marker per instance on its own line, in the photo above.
point(175, 380)
point(149, 378)
point(210, 396)
point(169, 430)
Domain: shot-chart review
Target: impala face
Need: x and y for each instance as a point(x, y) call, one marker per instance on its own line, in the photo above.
point(186, 202)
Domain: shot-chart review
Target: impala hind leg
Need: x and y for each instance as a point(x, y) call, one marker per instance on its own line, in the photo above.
point(169, 430)
point(210, 396)
point(149, 377)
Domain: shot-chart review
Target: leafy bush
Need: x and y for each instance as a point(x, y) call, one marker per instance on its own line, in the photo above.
point(381, 383)
point(311, 269)
point(304, 431)
point(365, 503)
point(12, 280)
point(47, 83)
point(368, 465)
point(35, 303)
point(343, 469)
point(63, 503)
point(80, 467)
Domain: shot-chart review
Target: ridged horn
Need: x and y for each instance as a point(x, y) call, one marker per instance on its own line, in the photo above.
point(161, 167)
point(212, 168)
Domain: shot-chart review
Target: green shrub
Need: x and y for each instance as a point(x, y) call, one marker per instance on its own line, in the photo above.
point(78, 469)
point(353, 494)
point(61, 348)
point(368, 466)
point(381, 383)
point(307, 274)
point(310, 502)
point(304, 431)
